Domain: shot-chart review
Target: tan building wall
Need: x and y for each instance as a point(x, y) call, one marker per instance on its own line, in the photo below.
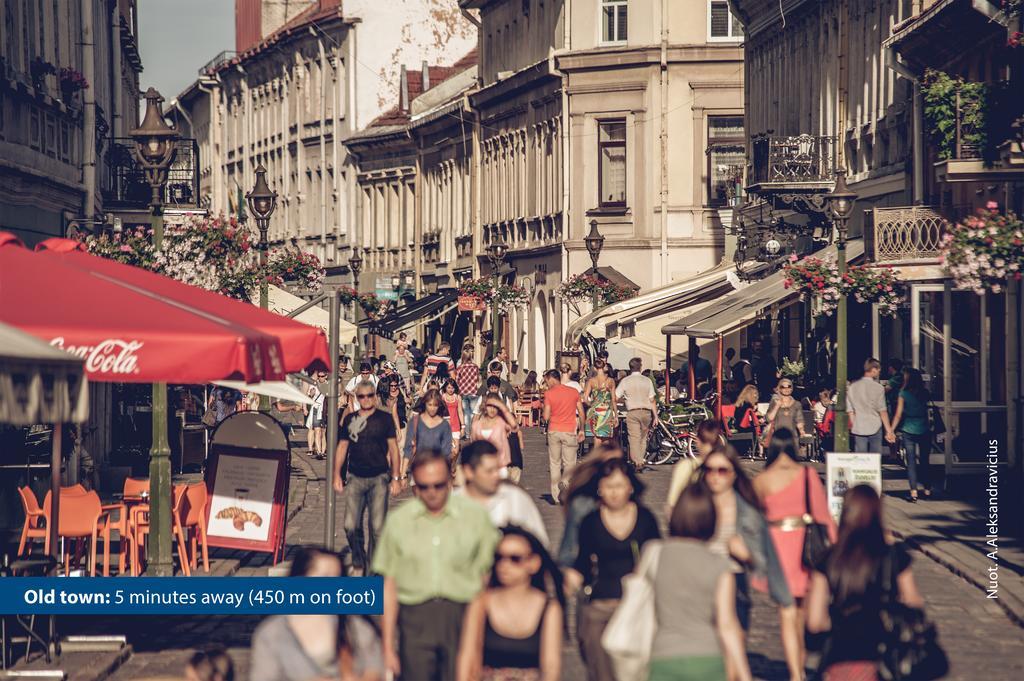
point(54, 162)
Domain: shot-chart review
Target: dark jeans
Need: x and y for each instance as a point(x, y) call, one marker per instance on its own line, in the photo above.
point(919, 447)
point(428, 639)
point(867, 443)
point(362, 494)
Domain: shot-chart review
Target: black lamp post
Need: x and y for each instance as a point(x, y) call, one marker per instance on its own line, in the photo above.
point(262, 202)
point(496, 252)
point(840, 206)
point(355, 265)
point(594, 242)
point(155, 152)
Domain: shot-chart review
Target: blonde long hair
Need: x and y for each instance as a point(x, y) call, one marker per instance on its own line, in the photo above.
point(748, 395)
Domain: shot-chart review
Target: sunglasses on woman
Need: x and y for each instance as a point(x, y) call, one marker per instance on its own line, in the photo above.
point(718, 470)
point(514, 558)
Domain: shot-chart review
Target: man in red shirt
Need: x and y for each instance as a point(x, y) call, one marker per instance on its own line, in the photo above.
point(563, 412)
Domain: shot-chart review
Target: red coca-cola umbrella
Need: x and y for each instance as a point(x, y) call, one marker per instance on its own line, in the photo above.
point(125, 332)
point(303, 345)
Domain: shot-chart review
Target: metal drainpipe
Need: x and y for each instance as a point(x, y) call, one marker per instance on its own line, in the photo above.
point(664, 141)
point(339, 205)
point(89, 110)
point(216, 202)
point(892, 60)
point(563, 313)
point(115, 68)
point(323, 147)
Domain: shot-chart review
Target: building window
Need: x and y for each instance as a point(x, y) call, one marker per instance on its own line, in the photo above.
point(614, 13)
point(611, 163)
point(726, 160)
point(722, 25)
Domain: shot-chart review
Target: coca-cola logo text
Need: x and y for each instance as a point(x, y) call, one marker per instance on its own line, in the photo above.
point(110, 356)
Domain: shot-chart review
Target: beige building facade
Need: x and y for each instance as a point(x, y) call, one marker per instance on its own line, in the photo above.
point(58, 147)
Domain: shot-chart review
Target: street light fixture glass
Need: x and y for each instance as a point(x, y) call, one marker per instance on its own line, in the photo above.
point(594, 242)
point(496, 252)
point(154, 139)
point(841, 199)
point(262, 201)
point(355, 263)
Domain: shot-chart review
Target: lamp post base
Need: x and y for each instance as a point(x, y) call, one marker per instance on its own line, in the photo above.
point(160, 508)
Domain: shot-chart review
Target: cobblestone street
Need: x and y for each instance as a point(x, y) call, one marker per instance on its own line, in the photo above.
point(981, 640)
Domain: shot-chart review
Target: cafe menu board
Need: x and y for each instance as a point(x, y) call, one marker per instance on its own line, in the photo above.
point(845, 470)
point(248, 499)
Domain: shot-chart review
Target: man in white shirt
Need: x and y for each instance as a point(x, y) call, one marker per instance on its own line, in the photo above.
point(865, 402)
point(506, 503)
point(641, 409)
point(365, 375)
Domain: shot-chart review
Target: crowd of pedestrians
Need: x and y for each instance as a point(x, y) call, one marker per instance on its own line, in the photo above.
point(473, 587)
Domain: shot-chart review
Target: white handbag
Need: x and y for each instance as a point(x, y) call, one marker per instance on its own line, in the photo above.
point(629, 636)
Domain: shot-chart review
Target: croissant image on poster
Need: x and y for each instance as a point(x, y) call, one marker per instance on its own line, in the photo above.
point(243, 496)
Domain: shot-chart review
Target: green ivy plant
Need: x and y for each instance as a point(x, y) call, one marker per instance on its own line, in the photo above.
point(940, 98)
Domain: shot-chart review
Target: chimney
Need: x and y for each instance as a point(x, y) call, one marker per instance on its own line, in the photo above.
point(403, 103)
point(426, 76)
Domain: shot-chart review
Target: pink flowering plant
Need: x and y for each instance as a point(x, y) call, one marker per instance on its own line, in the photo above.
point(216, 254)
point(506, 297)
point(291, 264)
point(821, 278)
point(582, 288)
point(72, 80)
point(985, 251)
point(374, 307)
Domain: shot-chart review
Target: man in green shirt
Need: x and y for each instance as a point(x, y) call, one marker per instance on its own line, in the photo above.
point(434, 554)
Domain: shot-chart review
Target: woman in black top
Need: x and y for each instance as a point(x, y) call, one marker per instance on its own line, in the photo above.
point(611, 539)
point(846, 592)
point(513, 629)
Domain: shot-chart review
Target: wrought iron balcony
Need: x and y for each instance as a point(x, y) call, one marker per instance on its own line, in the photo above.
point(904, 234)
point(127, 187)
point(792, 164)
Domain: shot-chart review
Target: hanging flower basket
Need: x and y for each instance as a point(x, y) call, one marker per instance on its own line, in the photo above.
point(506, 297)
point(817, 277)
point(583, 287)
point(985, 251)
point(216, 254)
point(821, 279)
point(291, 264)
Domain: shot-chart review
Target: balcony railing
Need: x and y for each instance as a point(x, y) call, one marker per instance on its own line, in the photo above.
point(128, 187)
point(792, 163)
point(211, 66)
point(904, 234)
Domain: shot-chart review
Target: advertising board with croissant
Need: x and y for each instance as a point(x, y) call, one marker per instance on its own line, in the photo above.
point(247, 476)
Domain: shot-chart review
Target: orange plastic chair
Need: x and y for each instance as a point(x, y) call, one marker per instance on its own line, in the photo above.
point(133, 487)
point(82, 518)
point(36, 521)
point(195, 522)
point(138, 531)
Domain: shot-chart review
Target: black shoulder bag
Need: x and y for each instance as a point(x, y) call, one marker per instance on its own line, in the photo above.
point(909, 647)
point(816, 539)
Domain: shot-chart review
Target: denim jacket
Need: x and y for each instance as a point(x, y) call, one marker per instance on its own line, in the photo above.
point(753, 530)
point(579, 508)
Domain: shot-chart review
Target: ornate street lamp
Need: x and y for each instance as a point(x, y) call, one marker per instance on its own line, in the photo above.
point(496, 252)
point(840, 207)
point(262, 202)
point(355, 266)
point(155, 152)
point(594, 242)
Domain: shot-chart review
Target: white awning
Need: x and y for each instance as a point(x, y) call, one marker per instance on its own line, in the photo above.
point(674, 297)
point(742, 308)
point(282, 302)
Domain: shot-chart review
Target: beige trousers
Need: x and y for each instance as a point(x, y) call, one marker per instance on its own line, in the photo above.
point(638, 425)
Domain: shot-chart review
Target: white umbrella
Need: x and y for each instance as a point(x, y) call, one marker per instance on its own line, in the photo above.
point(282, 302)
point(280, 389)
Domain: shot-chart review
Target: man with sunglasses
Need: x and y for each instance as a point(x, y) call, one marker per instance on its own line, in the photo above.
point(365, 375)
point(433, 554)
point(368, 441)
point(506, 502)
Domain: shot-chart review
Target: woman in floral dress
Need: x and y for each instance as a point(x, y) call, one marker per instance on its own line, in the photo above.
point(599, 396)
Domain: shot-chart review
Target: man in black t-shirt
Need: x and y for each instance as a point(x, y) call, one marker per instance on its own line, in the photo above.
point(368, 441)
